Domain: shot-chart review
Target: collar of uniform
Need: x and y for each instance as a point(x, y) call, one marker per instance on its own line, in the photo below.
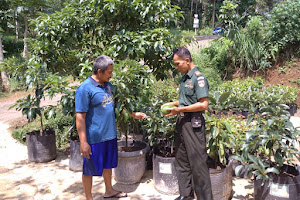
point(95, 83)
point(190, 73)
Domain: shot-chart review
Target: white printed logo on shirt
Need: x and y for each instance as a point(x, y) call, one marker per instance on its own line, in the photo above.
point(107, 99)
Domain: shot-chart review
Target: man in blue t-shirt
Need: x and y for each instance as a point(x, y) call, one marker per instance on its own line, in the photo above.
point(96, 126)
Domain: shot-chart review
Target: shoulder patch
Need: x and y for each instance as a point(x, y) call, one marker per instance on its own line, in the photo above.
point(200, 78)
point(201, 83)
point(197, 73)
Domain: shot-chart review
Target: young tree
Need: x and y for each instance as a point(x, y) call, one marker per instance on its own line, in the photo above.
point(4, 77)
point(85, 28)
point(27, 7)
point(4, 16)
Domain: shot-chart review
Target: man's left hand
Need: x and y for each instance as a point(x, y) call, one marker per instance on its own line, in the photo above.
point(174, 111)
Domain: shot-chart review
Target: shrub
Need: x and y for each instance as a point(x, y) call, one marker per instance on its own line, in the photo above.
point(255, 29)
point(226, 135)
point(271, 143)
point(60, 124)
point(218, 56)
point(205, 31)
point(157, 127)
point(242, 85)
point(284, 25)
point(15, 68)
point(12, 46)
point(229, 18)
point(132, 84)
point(249, 55)
point(252, 93)
point(279, 94)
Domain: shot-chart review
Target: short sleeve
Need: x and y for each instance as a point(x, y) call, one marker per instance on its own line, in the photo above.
point(82, 100)
point(201, 87)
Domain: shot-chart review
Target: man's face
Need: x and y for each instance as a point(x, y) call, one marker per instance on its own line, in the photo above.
point(107, 74)
point(181, 64)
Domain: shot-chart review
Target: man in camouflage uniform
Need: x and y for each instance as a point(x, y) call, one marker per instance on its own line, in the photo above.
point(190, 141)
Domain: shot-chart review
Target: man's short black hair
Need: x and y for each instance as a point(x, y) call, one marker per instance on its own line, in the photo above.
point(182, 53)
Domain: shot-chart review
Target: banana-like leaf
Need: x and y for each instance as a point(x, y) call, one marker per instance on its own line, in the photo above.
point(224, 96)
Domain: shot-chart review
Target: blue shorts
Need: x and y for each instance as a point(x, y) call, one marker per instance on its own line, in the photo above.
point(104, 156)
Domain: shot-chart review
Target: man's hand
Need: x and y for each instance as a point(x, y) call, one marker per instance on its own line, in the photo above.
point(169, 103)
point(174, 111)
point(85, 150)
point(138, 115)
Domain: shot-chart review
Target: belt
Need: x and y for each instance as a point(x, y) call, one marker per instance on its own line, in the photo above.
point(182, 114)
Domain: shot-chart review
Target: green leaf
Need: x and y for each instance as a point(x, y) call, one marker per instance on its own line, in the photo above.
point(215, 132)
point(238, 170)
point(270, 122)
point(272, 170)
point(224, 96)
point(31, 115)
point(228, 127)
point(250, 119)
point(51, 113)
point(270, 144)
point(249, 134)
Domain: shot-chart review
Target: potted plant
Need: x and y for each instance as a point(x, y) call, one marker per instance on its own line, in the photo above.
point(280, 94)
point(75, 160)
point(236, 141)
point(244, 94)
point(67, 103)
point(271, 152)
point(41, 144)
point(159, 131)
point(219, 130)
point(132, 83)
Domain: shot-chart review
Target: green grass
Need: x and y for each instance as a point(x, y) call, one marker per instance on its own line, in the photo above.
point(282, 70)
point(188, 33)
point(4, 95)
point(296, 81)
point(205, 31)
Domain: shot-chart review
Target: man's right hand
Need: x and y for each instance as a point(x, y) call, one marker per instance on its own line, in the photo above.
point(85, 149)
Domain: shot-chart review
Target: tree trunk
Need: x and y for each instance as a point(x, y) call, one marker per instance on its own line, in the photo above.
point(16, 22)
point(42, 125)
point(192, 3)
point(204, 8)
point(1, 51)
point(214, 14)
point(92, 46)
point(25, 52)
point(5, 83)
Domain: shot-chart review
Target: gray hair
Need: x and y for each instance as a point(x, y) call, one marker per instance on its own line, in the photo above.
point(102, 63)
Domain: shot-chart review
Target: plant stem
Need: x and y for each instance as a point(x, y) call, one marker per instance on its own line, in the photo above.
point(126, 137)
point(41, 128)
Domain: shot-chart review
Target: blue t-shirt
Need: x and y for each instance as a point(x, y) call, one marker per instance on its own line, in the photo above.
point(97, 102)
